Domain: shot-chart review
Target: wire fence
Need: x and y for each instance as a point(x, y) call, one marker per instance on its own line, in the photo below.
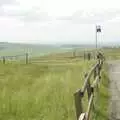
point(66, 57)
point(20, 57)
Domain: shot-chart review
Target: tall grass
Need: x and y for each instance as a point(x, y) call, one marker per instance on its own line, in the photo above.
point(40, 92)
point(112, 53)
point(101, 110)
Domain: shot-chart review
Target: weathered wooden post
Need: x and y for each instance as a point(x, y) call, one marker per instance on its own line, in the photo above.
point(89, 56)
point(95, 73)
point(26, 58)
point(74, 53)
point(3, 60)
point(84, 55)
point(88, 87)
point(78, 103)
point(90, 105)
point(94, 55)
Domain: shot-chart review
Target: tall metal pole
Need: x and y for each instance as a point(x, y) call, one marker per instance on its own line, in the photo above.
point(96, 40)
point(96, 35)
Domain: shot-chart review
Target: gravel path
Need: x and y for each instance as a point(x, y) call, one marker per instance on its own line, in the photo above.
point(114, 75)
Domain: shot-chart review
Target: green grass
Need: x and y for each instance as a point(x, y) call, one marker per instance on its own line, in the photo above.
point(102, 112)
point(40, 92)
point(44, 91)
point(112, 53)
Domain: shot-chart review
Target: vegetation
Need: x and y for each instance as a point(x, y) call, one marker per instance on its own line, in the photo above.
point(39, 92)
point(32, 49)
point(112, 53)
point(101, 110)
point(44, 91)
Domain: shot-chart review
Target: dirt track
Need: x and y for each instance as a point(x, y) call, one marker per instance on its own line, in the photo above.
point(114, 75)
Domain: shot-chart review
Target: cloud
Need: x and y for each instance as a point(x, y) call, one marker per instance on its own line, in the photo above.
point(38, 21)
point(92, 17)
point(2, 2)
point(35, 15)
point(25, 14)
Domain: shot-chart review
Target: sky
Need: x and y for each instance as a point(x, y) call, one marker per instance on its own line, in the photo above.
point(59, 21)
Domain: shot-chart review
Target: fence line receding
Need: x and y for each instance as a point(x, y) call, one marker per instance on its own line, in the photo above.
point(90, 88)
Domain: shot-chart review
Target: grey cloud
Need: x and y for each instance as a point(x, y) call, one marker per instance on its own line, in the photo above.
point(25, 15)
point(32, 16)
point(92, 17)
point(2, 2)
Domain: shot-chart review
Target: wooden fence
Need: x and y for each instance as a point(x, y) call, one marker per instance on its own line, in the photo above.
point(61, 58)
point(90, 88)
point(4, 59)
point(58, 57)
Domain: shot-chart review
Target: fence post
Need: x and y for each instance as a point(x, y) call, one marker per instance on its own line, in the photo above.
point(26, 58)
point(88, 88)
point(78, 103)
point(100, 67)
point(74, 53)
point(84, 55)
point(94, 55)
point(3, 60)
point(95, 73)
point(89, 56)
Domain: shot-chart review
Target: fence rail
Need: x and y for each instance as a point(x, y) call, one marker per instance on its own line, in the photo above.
point(95, 71)
point(4, 59)
point(55, 58)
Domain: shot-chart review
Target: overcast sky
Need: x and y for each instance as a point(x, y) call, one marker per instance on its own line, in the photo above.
point(59, 21)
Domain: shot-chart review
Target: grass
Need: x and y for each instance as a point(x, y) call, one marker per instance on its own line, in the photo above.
point(39, 92)
point(112, 53)
point(45, 90)
point(101, 110)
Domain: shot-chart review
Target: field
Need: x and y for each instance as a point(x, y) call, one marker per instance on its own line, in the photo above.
point(33, 49)
point(39, 92)
point(44, 91)
point(112, 53)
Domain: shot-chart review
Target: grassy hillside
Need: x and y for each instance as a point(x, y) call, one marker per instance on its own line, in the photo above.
point(32, 49)
point(36, 49)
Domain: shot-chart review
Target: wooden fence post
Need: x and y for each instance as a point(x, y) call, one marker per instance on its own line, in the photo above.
point(98, 69)
point(78, 103)
point(74, 53)
point(89, 56)
point(84, 55)
point(26, 58)
point(3, 60)
point(88, 88)
point(95, 73)
point(94, 56)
